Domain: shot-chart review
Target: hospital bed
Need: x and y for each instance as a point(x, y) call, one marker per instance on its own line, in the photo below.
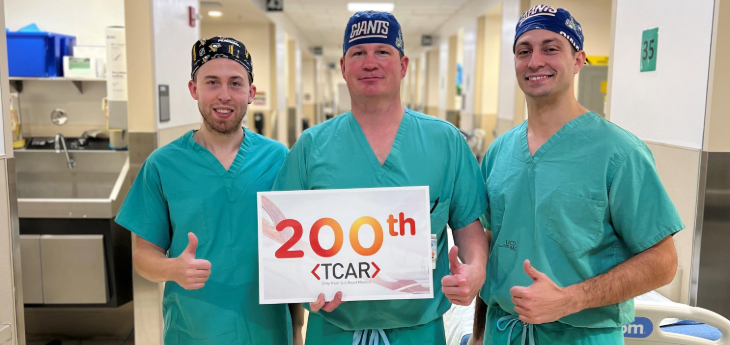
point(679, 324)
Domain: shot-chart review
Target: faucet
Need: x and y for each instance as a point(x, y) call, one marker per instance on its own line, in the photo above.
point(57, 142)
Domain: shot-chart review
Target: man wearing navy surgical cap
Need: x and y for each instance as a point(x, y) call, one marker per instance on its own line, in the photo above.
point(381, 144)
point(578, 219)
point(193, 209)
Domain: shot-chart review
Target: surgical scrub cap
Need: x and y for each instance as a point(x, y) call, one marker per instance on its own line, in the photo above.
point(373, 27)
point(205, 50)
point(556, 20)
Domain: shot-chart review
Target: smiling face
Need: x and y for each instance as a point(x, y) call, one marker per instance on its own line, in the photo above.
point(373, 70)
point(545, 64)
point(223, 91)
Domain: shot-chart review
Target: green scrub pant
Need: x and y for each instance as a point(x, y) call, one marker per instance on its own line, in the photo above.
point(500, 324)
point(321, 332)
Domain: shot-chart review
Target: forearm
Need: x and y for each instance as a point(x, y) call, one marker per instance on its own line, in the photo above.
point(297, 320)
point(472, 244)
point(648, 270)
point(297, 316)
point(480, 307)
point(480, 319)
point(152, 264)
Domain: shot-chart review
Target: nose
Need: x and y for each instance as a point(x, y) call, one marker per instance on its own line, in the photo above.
point(370, 64)
point(223, 95)
point(536, 60)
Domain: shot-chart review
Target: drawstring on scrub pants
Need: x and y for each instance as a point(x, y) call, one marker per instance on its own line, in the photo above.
point(360, 337)
point(528, 329)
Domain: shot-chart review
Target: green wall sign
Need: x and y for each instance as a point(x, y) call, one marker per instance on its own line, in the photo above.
point(649, 44)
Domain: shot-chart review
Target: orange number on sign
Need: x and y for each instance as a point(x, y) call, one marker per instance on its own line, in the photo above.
point(355, 239)
point(284, 252)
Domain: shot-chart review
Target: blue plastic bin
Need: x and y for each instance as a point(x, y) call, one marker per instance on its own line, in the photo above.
point(37, 54)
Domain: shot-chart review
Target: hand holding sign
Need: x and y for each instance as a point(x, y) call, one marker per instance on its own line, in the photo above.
point(328, 306)
point(189, 272)
point(464, 282)
point(543, 301)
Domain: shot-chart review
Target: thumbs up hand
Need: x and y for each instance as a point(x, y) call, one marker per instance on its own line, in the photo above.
point(464, 282)
point(191, 273)
point(543, 301)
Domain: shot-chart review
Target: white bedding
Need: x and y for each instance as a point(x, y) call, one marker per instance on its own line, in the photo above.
point(459, 320)
point(655, 298)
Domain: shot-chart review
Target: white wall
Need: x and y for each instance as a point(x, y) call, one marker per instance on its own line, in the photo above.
point(344, 102)
point(174, 40)
point(284, 22)
point(308, 80)
point(322, 90)
point(443, 51)
point(491, 63)
point(468, 60)
point(467, 17)
point(298, 89)
point(85, 19)
point(507, 80)
point(667, 105)
point(432, 68)
point(282, 83)
point(595, 19)
point(39, 98)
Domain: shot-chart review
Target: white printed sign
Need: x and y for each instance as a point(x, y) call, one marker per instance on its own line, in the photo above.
point(371, 244)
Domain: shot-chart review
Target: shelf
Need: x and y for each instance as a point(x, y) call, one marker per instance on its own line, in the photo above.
point(17, 82)
point(57, 79)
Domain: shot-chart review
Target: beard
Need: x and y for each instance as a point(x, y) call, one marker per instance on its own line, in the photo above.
point(222, 126)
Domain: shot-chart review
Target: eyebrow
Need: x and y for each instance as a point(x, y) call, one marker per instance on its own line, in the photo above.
point(379, 46)
point(216, 77)
point(547, 41)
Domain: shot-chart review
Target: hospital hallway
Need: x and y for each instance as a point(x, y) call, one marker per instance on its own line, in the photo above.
point(92, 91)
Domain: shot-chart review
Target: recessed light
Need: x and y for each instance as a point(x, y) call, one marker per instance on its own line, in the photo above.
point(215, 13)
point(370, 6)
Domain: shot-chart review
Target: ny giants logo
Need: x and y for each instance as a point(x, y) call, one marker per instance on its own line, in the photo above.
point(369, 29)
point(539, 10)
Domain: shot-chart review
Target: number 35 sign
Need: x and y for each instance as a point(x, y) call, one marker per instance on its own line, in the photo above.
point(371, 244)
point(649, 49)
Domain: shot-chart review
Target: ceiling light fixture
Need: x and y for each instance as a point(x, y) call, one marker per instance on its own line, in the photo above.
point(370, 6)
point(215, 13)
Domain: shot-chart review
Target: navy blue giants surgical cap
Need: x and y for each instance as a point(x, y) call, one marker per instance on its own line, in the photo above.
point(556, 20)
point(373, 27)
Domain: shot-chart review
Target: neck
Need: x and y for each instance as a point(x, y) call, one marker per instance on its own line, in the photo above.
point(374, 113)
point(548, 115)
point(216, 142)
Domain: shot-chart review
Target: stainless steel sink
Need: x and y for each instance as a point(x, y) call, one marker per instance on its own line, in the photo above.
point(47, 188)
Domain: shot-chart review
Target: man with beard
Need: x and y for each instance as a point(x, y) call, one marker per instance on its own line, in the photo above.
point(193, 208)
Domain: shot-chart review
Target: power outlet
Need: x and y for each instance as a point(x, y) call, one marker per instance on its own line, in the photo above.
point(6, 333)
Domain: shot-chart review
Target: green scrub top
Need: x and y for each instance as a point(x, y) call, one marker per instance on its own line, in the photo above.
point(426, 152)
point(589, 199)
point(183, 188)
